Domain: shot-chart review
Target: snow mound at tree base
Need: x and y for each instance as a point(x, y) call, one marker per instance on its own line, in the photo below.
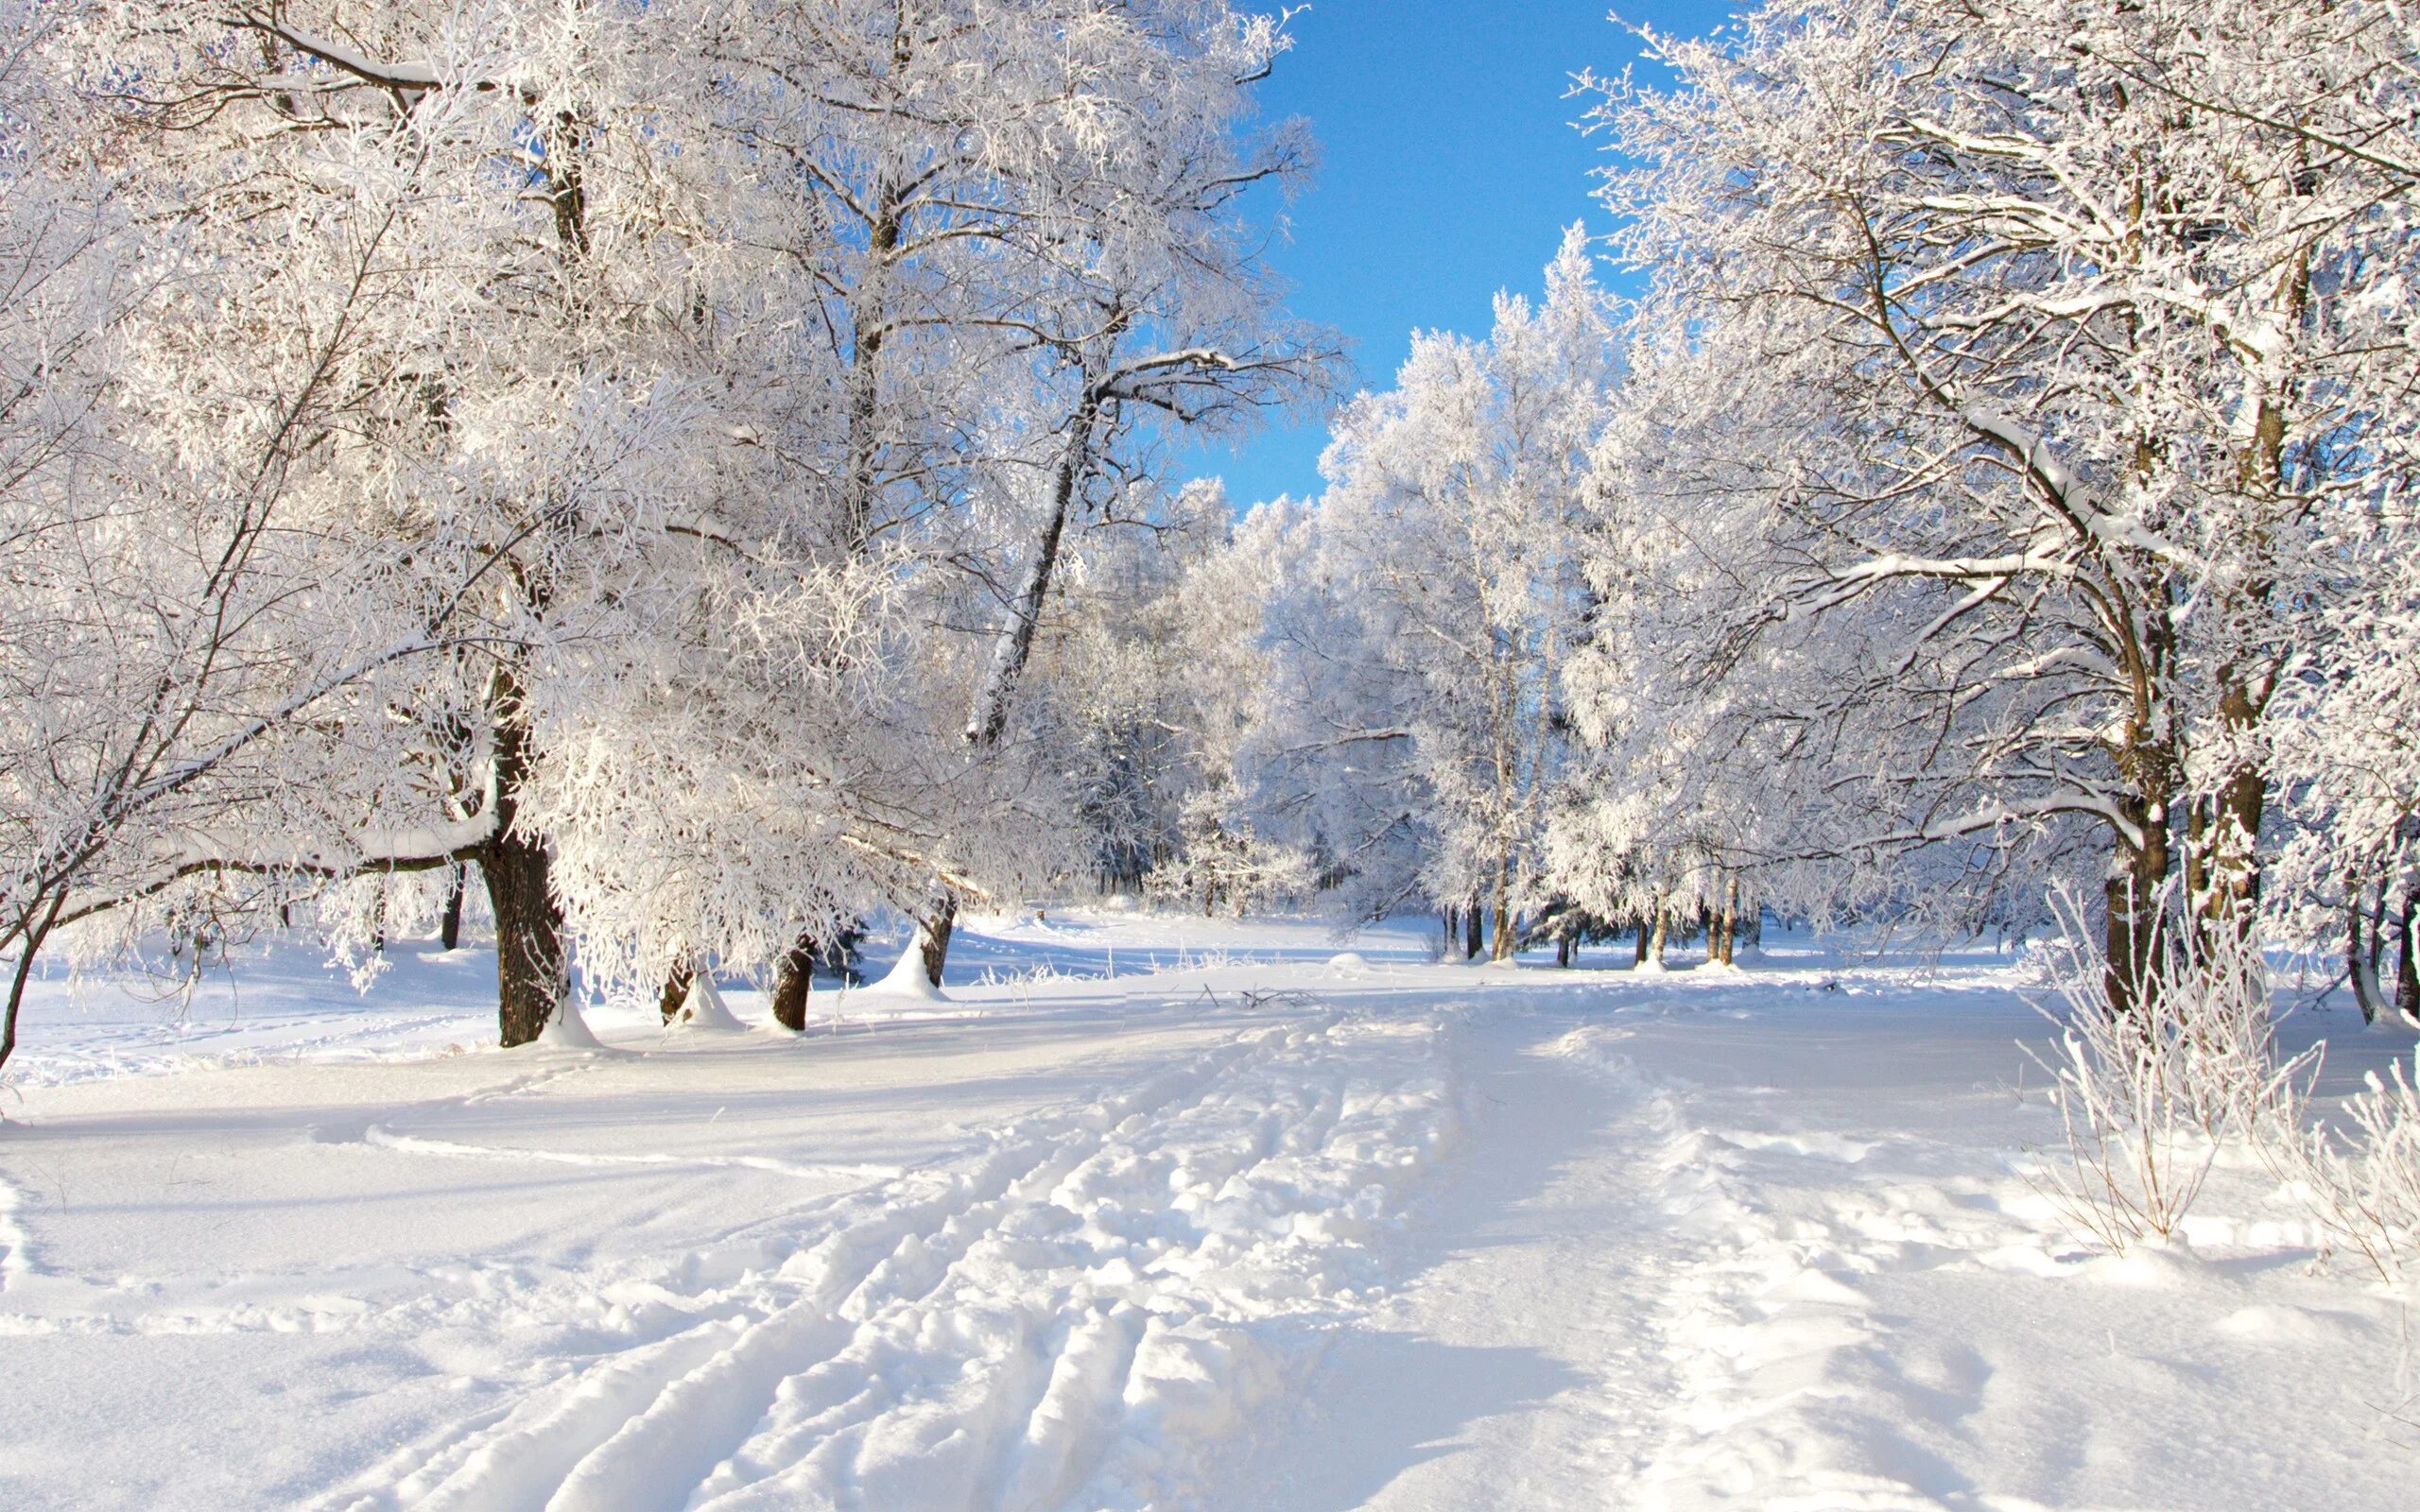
point(704, 1009)
point(567, 1030)
point(904, 980)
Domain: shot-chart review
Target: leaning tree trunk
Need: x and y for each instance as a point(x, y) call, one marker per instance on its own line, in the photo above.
point(793, 979)
point(34, 927)
point(989, 718)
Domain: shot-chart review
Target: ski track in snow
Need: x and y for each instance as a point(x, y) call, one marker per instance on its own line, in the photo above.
point(1089, 1311)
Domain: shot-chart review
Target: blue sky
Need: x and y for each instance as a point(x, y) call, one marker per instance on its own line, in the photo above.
point(1449, 166)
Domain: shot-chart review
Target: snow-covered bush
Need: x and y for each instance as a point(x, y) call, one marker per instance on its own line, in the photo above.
point(2146, 1094)
point(2361, 1177)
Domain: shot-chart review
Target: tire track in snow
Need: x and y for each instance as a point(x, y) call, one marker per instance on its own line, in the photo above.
point(1078, 1311)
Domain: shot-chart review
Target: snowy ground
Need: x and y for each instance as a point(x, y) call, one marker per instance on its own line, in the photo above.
point(1154, 1213)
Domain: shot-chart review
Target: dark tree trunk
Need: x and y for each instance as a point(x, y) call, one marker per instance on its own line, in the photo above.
point(932, 938)
point(1639, 957)
point(449, 923)
point(36, 931)
point(1473, 927)
point(532, 979)
point(2407, 969)
point(1562, 951)
point(533, 969)
point(793, 979)
point(2137, 933)
point(676, 991)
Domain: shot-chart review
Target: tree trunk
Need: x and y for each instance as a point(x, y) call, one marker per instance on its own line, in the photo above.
point(989, 718)
point(990, 715)
point(1638, 959)
point(2136, 935)
point(533, 978)
point(2407, 971)
point(1562, 951)
point(933, 935)
point(2360, 965)
point(36, 931)
point(1663, 932)
point(676, 991)
point(1473, 928)
point(449, 923)
point(2223, 869)
point(793, 981)
point(532, 981)
point(1505, 940)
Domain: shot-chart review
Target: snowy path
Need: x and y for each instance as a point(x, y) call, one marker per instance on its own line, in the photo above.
point(1402, 1237)
point(1521, 1365)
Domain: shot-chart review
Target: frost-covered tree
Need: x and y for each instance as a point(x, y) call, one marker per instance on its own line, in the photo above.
point(1415, 733)
point(705, 390)
point(209, 620)
point(2073, 338)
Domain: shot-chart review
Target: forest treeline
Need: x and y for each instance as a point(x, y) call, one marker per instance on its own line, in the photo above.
point(685, 477)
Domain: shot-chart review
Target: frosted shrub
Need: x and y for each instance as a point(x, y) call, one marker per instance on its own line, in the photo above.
point(2361, 1176)
point(2145, 1096)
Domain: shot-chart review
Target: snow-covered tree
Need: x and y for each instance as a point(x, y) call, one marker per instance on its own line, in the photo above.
point(1415, 733)
point(2074, 338)
point(684, 405)
point(208, 619)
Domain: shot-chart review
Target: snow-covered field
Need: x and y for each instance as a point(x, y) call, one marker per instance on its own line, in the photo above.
point(1150, 1214)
